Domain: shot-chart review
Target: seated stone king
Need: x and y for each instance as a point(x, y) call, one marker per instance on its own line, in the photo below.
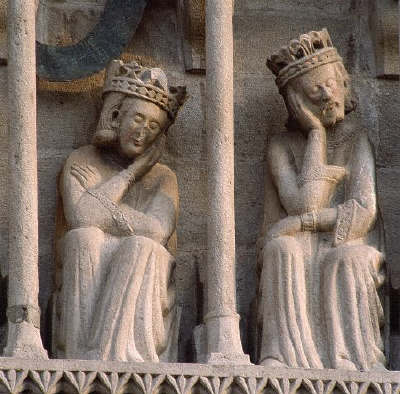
point(115, 299)
point(319, 305)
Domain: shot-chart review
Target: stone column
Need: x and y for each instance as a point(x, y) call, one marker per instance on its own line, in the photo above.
point(23, 312)
point(222, 321)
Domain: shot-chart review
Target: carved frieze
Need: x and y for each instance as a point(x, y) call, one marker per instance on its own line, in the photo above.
point(115, 378)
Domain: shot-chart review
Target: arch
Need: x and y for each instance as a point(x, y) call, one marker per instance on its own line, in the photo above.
point(105, 42)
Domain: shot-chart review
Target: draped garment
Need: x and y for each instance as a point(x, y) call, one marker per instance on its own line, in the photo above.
point(116, 298)
point(318, 300)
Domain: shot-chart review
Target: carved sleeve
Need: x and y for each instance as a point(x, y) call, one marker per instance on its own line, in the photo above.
point(357, 215)
point(283, 171)
point(81, 209)
point(160, 217)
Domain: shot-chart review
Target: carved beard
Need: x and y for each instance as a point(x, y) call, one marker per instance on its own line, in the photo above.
point(329, 113)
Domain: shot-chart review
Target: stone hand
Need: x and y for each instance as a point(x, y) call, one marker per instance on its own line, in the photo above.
point(287, 226)
point(87, 176)
point(306, 119)
point(148, 159)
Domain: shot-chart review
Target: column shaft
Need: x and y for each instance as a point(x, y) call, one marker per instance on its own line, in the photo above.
point(23, 310)
point(222, 320)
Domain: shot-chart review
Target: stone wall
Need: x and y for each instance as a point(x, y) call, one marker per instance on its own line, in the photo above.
point(67, 115)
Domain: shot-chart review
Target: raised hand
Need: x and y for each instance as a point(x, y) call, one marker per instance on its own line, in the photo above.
point(148, 159)
point(86, 175)
point(306, 119)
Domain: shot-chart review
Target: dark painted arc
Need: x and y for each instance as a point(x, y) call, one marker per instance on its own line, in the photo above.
point(105, 42)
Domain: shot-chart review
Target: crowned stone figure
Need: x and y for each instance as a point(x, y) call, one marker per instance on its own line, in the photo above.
point(319, 305)
point(116, 295)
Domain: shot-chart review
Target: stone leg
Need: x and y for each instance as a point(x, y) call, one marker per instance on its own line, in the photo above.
point(82, 279)
point(132, 321)
point(286, 334)
point(351, 304)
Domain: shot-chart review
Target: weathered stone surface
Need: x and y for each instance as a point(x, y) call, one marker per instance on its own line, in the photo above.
point(191, 23)
point(388, 179)
point(299, 7)
point(115, 299)
point(23, 311)
point(222, 321)
point(91, 54)
point(68, 22)
point(318, 251)
point(384, 23)
point(68, 120)
point(60, 376)
point(3, 31)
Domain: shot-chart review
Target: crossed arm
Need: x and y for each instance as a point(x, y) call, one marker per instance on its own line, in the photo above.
point(90, 201)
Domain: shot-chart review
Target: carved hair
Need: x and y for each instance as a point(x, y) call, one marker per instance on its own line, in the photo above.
point(107, 130)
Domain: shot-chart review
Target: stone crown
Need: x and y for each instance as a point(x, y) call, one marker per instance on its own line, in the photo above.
point(309, 51)
point(149, 84)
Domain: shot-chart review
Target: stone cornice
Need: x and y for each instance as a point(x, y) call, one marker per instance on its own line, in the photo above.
point(84, 377)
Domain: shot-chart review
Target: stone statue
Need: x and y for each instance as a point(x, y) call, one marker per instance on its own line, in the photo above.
point(116, 299)
point(321, 268)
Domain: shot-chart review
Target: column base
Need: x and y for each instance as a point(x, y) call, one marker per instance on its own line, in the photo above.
point(24, 341)
point(223, 339)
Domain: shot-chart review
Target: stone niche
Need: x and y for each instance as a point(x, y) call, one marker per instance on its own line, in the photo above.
point(67, 118)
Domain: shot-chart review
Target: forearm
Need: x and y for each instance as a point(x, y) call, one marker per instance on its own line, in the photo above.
point(116, 187)
point(145, 225)
point(89, 211)
point(319, 221)
point(326, 219)
point(315, 153)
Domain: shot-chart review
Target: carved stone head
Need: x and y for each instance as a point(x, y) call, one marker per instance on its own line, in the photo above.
point(138, 107)
point(312, 79)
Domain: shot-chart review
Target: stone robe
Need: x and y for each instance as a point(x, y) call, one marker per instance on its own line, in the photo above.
point(318, 304)
point(117, 295)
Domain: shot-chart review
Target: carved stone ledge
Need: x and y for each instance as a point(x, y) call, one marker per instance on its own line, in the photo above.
point(84, 377)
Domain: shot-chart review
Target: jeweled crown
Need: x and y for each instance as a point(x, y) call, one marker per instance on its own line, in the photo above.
point(309, 51)
point(149, 84)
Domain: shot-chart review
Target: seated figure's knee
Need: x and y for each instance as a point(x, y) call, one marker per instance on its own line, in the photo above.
point(282, 245)
point(351, 254)
point(135, 240)
point(84, 235)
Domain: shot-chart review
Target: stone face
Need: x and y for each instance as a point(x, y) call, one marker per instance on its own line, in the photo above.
point(320, 267)
point(115, 299)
